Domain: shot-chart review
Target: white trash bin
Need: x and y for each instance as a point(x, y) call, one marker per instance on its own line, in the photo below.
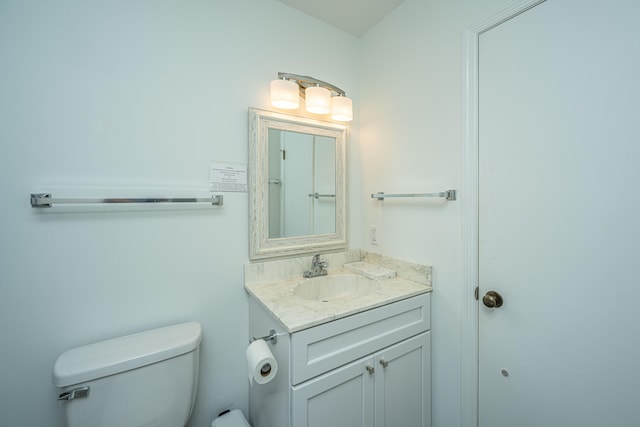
point(233, 418)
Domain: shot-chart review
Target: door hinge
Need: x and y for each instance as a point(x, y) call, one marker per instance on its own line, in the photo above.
point(476, 293)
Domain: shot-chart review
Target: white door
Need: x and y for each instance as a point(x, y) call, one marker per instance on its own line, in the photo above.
point(559, 216)
point(297, 179)
point(324, 183)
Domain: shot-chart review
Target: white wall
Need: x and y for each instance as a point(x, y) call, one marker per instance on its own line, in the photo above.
point(134, 94)
point(410, 141)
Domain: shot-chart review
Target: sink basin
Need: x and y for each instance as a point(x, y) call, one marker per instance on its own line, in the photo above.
point(335, 287)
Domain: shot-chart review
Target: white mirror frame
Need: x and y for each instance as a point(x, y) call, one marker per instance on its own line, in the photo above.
point(260, 245)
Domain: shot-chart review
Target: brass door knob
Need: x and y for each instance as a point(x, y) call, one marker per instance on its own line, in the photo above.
point(492, 299)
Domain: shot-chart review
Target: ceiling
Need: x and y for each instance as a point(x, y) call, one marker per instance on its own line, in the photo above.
point(353, 16)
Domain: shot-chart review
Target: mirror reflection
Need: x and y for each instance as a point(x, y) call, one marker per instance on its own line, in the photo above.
point(302, 184)
point(297, 185)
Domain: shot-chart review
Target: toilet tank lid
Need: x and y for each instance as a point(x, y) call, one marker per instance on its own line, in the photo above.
point(121, 354)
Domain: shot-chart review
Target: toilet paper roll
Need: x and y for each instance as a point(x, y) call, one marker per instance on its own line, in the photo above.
point(263, 367)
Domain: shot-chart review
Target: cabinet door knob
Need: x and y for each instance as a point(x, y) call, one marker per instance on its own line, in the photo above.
point(370, 369)
point(384, 363)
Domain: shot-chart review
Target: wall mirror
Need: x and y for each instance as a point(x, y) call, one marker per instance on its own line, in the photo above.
point(297, 185)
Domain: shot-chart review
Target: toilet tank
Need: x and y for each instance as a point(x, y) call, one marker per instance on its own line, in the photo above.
point(145, 379)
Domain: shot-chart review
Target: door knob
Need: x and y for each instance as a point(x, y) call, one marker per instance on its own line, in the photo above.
point(492, 299)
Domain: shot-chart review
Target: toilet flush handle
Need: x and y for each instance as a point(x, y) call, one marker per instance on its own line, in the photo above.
point(76, 393)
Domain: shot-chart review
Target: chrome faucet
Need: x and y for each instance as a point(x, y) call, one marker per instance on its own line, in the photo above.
point(318, 268)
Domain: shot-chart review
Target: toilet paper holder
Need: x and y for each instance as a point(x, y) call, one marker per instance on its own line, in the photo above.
point(273, 337)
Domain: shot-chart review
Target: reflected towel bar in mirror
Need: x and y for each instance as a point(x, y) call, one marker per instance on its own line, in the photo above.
point(317, 195)
point(449, 195)
point(44, 200)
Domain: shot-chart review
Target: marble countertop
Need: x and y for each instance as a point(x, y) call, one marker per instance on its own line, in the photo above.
point(295, 313)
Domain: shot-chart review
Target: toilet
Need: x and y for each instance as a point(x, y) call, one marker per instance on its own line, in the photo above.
point(145, 379)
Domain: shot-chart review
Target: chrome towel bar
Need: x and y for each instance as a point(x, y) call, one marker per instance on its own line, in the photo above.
point(449, 195)
point(44, 200)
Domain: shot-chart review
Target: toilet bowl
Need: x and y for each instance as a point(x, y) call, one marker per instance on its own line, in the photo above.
point(233, 418)
point(144, 379)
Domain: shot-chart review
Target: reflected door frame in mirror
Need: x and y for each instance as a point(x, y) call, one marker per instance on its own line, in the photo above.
point(260, 244)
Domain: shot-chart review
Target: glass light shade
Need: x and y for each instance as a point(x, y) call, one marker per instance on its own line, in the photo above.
point(317, 100)
point(285, 94)
point(341, 109)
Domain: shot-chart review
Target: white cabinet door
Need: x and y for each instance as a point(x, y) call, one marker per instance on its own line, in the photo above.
point(340, 398)
point(403, 383)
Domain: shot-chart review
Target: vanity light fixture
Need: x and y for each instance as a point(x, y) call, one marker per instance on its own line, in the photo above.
point(341, 108)
point(284, 94)
point(317, 100)
point(320, 97)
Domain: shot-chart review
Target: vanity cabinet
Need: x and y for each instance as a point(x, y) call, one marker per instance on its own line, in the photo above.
point(368, 369)
point(388, 388)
